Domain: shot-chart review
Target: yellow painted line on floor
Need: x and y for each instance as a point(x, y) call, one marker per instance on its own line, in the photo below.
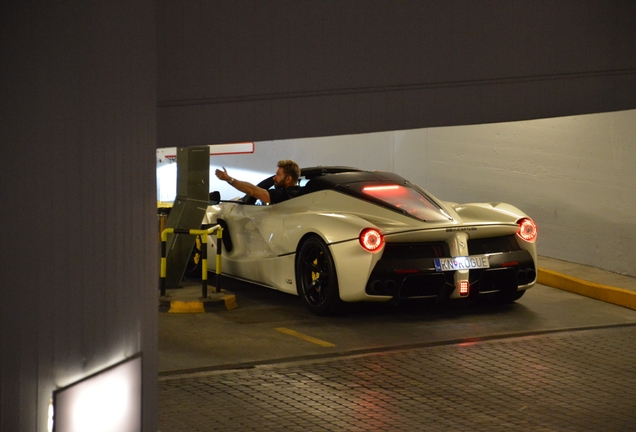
point(609, 294)
point(304, 337)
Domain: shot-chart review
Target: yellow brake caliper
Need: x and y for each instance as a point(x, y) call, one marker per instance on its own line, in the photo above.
point(197, 248)
point(315, 275)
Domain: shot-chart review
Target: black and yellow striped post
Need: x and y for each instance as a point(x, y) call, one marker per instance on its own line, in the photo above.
point(162, 269)
point(204, 265)
point(219, 250)
point(204, 256)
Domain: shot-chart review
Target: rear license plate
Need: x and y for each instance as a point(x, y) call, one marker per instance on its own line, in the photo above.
point(462, 263)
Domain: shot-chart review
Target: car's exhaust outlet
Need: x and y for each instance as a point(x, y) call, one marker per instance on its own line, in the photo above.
point(522, 276)
point(379, 287)
point(390, 286)
point(376, 286)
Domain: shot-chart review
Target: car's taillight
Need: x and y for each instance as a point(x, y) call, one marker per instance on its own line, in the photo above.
point(463, 288)
point(371, 239)
point(527, 230)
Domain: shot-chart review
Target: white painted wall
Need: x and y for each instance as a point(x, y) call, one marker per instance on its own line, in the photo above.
point(576, 176)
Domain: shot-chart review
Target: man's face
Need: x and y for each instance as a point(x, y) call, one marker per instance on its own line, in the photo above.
point(280, 180)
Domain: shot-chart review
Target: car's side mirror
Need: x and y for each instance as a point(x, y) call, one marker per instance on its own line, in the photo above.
point(215, 197)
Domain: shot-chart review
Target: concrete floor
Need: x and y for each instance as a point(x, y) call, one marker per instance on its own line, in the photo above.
point(554, 360)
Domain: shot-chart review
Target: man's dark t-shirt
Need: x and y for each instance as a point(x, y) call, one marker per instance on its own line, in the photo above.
point(282, 194)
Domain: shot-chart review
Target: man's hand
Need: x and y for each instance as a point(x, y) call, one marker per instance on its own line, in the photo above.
point(222, 175)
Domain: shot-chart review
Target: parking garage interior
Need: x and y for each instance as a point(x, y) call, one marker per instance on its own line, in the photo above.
point(530, 103)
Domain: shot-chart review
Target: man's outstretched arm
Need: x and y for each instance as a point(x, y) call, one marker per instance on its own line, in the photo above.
point(243, 186)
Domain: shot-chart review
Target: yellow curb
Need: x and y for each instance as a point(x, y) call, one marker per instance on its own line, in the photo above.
point(230, 302)
point(606, 293)
point(198, 306)
point(186, 307)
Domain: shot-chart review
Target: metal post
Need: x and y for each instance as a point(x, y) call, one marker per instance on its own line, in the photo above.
point(204, 266)
point(219, 249)
point(162, 274)
point(204, 256)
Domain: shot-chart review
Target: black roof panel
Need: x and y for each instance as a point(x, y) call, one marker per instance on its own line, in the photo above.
point(322, 178)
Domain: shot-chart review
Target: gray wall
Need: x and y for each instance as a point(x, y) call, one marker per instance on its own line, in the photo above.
point(575, 176)
point(79, 228)
point(254, 71)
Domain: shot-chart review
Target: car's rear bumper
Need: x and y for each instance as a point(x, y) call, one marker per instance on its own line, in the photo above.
point(418, 277)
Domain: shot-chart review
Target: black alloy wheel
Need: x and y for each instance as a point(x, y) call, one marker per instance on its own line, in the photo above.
point(316, 278)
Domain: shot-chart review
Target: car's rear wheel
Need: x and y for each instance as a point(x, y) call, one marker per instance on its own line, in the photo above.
point(316, 278)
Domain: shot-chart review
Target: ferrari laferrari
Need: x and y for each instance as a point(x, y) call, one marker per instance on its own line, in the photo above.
point(353, 235)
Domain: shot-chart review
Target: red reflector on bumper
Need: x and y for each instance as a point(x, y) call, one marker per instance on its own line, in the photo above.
point(406, 271)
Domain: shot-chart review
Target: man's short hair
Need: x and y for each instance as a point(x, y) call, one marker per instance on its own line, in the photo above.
point(290, 168)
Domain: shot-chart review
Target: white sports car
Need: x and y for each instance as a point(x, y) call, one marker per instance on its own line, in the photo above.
point(353, 235)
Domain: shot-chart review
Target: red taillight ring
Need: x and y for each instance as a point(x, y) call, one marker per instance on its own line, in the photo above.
point(371, 239)
point(527, 230)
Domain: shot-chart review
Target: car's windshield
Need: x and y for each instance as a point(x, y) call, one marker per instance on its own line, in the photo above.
point(406, 199)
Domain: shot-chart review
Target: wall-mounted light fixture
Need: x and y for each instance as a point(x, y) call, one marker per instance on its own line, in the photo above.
point(107, 401)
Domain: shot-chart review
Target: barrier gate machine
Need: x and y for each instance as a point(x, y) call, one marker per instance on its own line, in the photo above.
point(191, 201)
